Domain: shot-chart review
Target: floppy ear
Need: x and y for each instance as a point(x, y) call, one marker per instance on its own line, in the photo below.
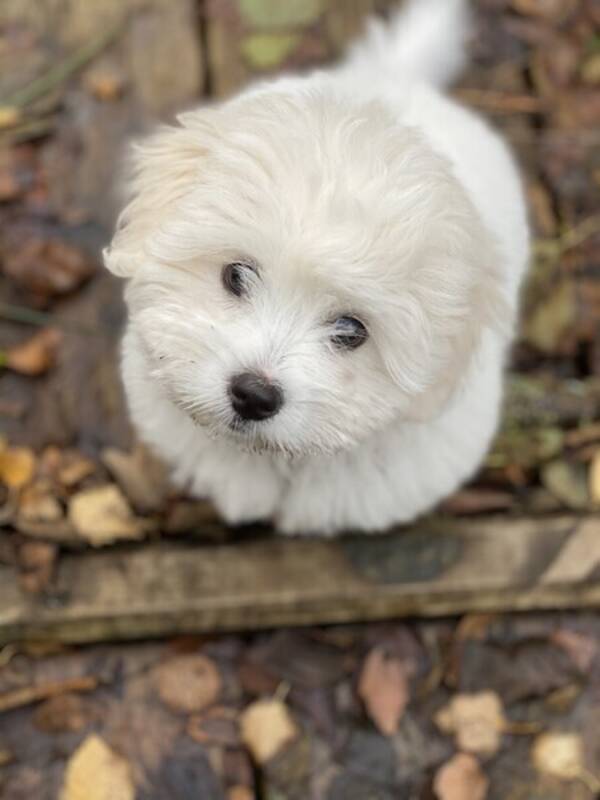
point(458, 299)
point(161, 170)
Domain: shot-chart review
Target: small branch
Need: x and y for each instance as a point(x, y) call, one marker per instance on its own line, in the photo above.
point(33, 694)
point(501, 102)
point(30, 316)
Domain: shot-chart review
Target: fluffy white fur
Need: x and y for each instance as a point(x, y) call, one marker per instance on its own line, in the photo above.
point(360, 190)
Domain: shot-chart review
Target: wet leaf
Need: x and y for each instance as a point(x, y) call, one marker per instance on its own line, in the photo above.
point(461, 778)
point(188, 683)
point(37, 561)
point(95, 772)
point(383, 688)
point(37, 355)
point(17, 466)
point(102, 516)
point(477, 720)
point(266, 728)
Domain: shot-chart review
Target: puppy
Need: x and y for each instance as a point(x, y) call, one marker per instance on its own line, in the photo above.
point(323, 279)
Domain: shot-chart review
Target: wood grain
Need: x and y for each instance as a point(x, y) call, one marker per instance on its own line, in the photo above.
point(438, 567)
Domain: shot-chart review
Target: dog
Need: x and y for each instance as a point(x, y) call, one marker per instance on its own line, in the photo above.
point(322, 283)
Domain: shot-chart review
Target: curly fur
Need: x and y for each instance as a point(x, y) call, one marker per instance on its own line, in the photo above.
point(359, 190)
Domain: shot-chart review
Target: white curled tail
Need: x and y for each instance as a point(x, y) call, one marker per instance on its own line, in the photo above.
point(425, 39)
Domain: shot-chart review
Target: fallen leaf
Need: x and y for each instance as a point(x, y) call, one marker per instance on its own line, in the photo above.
point(35, 356)
point(568, 482)
point(217, 726)
point(581, 649)
point(67, 712)
point(559, 754)
point(5, 757)
point(266, 727)
point(188, 682)
point(383, 688)
point(240, 793)
point(46, 266)
point(140, 475)
point(102, 516)
point(74, 468)
point(594, 479)
point(9, 116)
point(95, 772)
point(477, 720)
point(37, 503)
point(17, 465)
point(546, 9)
point(105, 82)
point(461, 778)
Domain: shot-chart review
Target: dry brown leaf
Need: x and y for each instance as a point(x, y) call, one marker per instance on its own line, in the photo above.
point(102, 516)
point(581, 649)
point(240, 793)
point(67, 712)
point(74, 468)
point(266, 727)
point(477, 720)
point(95, 772)
point(188, 682)
point(383, 688)
point(461, 778)
point(141, 477)
point(37, 503)
point(37, 355)
point(17, 465)
point(47, 266)
point(105, 82)
point(559, 754)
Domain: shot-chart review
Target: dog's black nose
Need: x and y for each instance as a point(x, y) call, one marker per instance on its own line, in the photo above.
point(254, 397)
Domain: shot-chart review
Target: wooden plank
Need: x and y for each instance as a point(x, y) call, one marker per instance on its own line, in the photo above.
point(438, 567)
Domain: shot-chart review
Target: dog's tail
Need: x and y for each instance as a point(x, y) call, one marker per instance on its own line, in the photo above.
point(425, 39)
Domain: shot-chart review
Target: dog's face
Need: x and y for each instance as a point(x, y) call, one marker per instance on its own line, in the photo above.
point(302, 273)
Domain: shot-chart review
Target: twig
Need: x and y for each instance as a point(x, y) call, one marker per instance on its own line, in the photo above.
point(62, 71)
point(33, 694)
point(502, 102)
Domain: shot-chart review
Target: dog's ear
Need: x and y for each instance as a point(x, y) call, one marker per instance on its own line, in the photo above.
point(161, 170)
point(459, 300)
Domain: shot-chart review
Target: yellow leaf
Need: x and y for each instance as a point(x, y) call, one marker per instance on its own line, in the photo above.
point(266, 727)
point(102, 516)
point(17, 465)
point(95, 772)
point(559, 754)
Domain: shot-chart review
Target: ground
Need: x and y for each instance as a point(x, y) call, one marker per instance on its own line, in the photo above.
point(483, 706)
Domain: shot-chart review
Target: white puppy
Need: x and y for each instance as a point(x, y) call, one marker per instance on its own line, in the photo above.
point(323, 279)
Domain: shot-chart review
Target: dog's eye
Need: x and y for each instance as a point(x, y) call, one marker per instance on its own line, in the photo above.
point(349, 333)
point(235, 277)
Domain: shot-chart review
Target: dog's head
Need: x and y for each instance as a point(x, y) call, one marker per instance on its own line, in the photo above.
point(302, 271)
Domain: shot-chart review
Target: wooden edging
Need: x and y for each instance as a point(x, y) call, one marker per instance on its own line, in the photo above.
point(435, 568)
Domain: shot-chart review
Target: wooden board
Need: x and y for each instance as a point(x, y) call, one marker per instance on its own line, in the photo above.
point(437, 568)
